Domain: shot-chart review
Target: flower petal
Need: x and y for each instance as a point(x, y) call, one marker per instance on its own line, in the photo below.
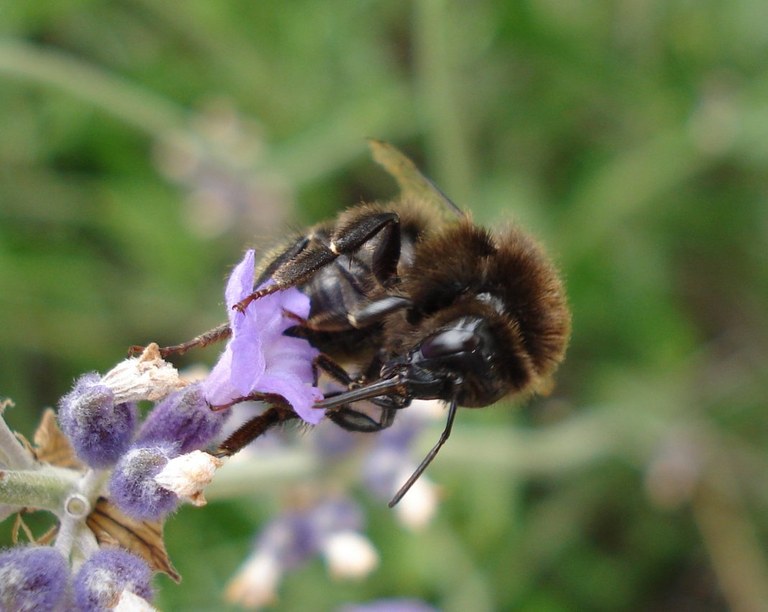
point(217, 387)
point(301, 396)
point(240, 283)
point(248, 359)
point(258, 357)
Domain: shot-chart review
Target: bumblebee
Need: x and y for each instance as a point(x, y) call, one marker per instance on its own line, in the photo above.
point(425, 305)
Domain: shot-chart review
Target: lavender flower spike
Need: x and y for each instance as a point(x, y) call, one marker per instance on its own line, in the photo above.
point(258, 357)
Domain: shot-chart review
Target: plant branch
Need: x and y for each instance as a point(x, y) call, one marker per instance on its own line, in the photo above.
point(117, 96)
point(45, 488)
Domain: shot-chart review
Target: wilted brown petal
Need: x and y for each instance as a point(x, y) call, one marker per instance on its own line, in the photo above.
point(52, 446)
point(142, 538)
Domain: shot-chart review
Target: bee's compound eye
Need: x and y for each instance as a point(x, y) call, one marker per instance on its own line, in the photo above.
point(450, 342)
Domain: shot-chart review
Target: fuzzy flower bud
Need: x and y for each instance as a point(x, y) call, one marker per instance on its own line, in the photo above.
point(99, 429)
point(106, 575)
point(133, 486)
point(32, 578)
point(184, 418)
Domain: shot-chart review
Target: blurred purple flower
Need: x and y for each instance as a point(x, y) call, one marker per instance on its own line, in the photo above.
point(33, 578)
point(390, 605)
point(296, 536)
point(330, 528)
point(259, 358)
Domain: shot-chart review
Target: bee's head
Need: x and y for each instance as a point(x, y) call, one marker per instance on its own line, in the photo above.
point(488, 312)
point(459, 360)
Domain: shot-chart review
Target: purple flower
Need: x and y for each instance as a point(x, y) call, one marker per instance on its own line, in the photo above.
point(133, 487)
point(99, 429)
point(296, 536)
point(32, 578)
point(259, 358)
point(328, 529)
point(336, 514)
point(183, 418)
point(390, 605)
point(105, 575)
point(290, 539)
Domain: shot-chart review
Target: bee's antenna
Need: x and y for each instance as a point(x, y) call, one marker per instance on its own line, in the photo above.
point(428, 459)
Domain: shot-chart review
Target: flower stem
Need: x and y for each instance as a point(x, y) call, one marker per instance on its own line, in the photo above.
point(120, 97)
point(46, 488)
point(239, 477)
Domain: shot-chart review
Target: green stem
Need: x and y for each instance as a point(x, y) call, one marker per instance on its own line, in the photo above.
point(119, 97)
point(438, 77)
point(46, 488)
point(577, 442)
point(241, 477)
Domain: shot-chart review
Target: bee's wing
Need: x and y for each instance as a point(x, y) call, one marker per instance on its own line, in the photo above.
point(410, 180)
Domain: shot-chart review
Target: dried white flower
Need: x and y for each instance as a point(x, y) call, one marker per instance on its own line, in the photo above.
point(147, 377)
point(187, 475)
point(417, 509)
point(130, 602)
point(349, 554)
point(255, 584)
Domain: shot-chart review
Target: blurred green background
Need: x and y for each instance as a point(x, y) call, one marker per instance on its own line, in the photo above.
point(144, 144)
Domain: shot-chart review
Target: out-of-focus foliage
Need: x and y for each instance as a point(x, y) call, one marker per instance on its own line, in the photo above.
point(146, 143)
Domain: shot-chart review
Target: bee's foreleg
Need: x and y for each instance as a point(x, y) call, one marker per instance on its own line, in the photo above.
point(217, 334)
point(278, 413)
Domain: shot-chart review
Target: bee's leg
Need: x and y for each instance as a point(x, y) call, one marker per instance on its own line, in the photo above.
point(368, 315)
point(346, 239)
point(278, 413)
point(351, 236)
point(386, 256)
point(318, 323)
point(216, 334)
point(377, 310)
point(281, 259)
point(329, 366)
point(353, 420)
point(223, 331)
